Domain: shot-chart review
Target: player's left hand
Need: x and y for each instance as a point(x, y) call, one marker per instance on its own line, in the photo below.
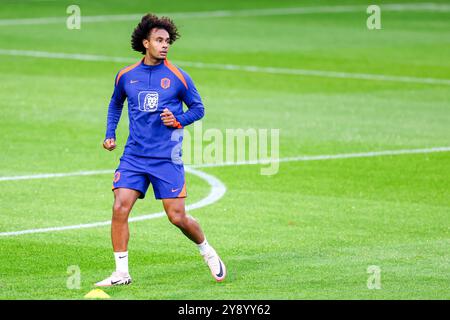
point(169, 119)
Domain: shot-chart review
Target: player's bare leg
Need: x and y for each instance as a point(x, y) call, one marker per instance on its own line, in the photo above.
point(124, 200)
point(175, 210)
point(176, 213)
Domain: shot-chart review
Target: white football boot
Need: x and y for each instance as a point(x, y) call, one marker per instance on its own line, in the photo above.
point(216, 265)
point(116, 279)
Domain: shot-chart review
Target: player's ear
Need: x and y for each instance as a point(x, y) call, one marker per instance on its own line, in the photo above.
point(146, 43)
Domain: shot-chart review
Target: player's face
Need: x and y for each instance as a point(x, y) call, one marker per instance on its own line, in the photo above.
point(158, 44)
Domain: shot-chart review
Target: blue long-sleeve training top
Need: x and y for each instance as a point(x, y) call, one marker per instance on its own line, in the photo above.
point(149, 90)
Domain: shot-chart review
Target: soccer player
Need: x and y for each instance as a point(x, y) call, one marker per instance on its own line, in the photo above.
point(155, 90)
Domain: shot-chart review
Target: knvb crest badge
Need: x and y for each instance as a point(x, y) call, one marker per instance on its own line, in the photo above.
point(165, 83)
point(148, 101)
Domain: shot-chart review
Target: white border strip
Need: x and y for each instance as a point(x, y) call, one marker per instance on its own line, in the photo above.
point(218, 190)
point(432, 7)
point(230, 67)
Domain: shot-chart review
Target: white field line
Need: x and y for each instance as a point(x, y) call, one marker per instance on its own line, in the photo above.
point(217, 191)
point(56, 175)
point(328, 157)
point(231, 67)
point(263, 161)
point(315, 73)
point(433, 7)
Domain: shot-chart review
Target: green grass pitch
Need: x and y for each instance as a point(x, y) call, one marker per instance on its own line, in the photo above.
point(308, 232)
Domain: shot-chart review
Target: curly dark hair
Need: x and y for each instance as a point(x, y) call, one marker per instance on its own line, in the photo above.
point(148, 22)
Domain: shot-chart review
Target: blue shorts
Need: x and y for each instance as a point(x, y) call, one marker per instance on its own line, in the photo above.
point(166, 177)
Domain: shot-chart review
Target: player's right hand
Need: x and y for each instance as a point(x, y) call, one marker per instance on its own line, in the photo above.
point(109, 144)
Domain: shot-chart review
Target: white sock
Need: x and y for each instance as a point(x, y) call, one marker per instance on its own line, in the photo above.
point(121, 261)
point(204, 247)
